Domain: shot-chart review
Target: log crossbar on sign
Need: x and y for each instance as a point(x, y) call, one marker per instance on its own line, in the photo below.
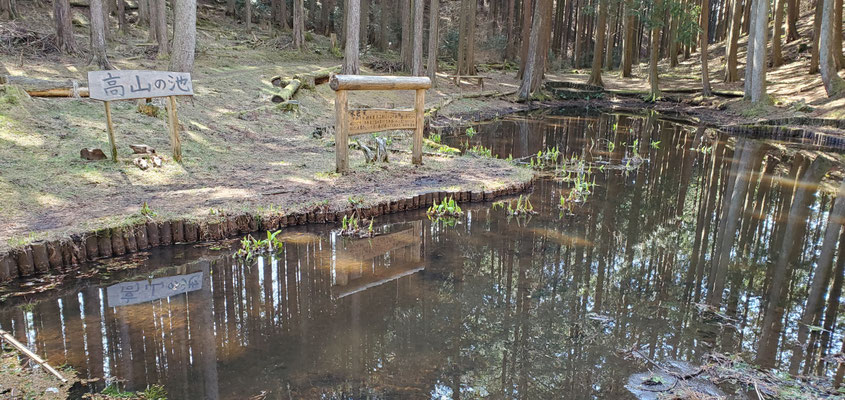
point(112, 85)
point(360, 121)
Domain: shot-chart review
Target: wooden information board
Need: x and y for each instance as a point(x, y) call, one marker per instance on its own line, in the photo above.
point(379, 119)
point(359, 121)
point(114, 85)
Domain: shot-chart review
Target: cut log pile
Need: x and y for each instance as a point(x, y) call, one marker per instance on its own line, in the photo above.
point(308, 80)
point(46, 87)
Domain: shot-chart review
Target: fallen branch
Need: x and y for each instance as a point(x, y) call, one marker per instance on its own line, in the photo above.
point(46, 88)
point(18, 345)
point(434, 110)
point(308, 79)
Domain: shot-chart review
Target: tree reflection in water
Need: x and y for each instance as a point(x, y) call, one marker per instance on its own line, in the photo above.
point(713, 244)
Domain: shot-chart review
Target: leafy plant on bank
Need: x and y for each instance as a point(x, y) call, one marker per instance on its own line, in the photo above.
point(352, 225)
point(448, 208)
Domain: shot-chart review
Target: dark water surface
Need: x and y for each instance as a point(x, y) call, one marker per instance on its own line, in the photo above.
point(543, 307)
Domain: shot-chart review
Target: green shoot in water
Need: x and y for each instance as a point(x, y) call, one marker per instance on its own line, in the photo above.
point(521, 207)
point(447, 208)
point(470, 132)
point(251, 247)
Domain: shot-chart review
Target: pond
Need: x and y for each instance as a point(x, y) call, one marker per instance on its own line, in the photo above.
point(679, 242)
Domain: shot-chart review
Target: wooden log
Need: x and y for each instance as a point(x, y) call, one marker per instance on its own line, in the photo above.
point(54, 255)
point(24, 261)
point(18, 345)
point(40, 259)
point(45, 86)
point(104, 243)
point(341, 132)
point(59, 92)
point(308, 79)
point(419, 109)
point(173, 126)
point(287, 92)
point(369, 82)
point(141, 236)
point(8, 267)
point(110, 128)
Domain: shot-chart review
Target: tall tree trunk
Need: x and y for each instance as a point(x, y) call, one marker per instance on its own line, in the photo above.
point(537, 49)
point(417, 62)
point(527, 26)
point(350, 58)
point(161, 28)
point(64, 30)
point(792, 14)
point(829, 50)
point(759, 65)
point(598, 47)
point(283, 14)
point(837, 34)
point(406, 50)
point(152, 33)
point(654, 53)
point(673, 42)
point(777, 53)
point(144, 12)
point(365, 23)
point(510, 48)
point(98, 37)
point(611, 38)
point(817, 25)
point(384, 28)
point(121, 16)
point(299, 24)
point(703, 43)
point(184, 35)
point(230, 8)
point(248, 15)
point(731, 50)
point(433, 40)
point(628, 42)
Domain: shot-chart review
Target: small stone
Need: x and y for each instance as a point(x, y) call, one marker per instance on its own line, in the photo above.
point(52, 390)
point(142, 149)
point(157, 161)
point(141, 163)
point(92, 154)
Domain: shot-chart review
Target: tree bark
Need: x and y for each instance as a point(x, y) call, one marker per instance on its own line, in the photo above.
point(611, 38)
point(654, 53)
point(598, 47)
point(837, 34)
point(817, 25)
point(417, 58)
point(364, 24)
point(829, 50)
point(121, 16)
point(527, 26)
point(537, 49)
point(283, 15)
point(777, 52)
point(161, 27)
point(703, 43)
point(406, 49)
point(299, 24)
point(433, 40)
point(350, 58)
point(731, 50)
point(98, 36)
point(64, 30)
point(247, 15)
point(384, 30)
point(628, 41)
point(510, 48)
point(759, 66)
point(792, 20)
point(184, 35)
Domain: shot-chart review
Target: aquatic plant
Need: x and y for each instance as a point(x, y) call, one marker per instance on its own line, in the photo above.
point(435, 137)
point(547, 159)
point(470, 131)
point(251, 247)
point(448, 208)
point(480, 150)
point(351, 225)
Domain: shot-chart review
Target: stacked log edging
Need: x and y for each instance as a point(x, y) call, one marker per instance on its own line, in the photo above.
point(794, 129)
point(63, 255)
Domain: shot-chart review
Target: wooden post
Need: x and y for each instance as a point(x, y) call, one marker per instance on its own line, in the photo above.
point(110, 128)
point(419, 108)
point(173, 125)
point(341, 132)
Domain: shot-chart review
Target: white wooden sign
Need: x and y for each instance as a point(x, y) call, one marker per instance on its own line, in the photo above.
point(126, 293)
point(133, 84)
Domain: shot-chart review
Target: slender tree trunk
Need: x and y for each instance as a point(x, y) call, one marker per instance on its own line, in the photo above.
point(299, 25)
point(184, 35)
point(384, 28)
point(144, 12)
point(611, 39)
point(817, 25)
point(792, 20)
point(537, 49)
point(417, 62)
point(598, 47)
point(527, 13)
point(628, 42)
point(731, 50)
point(673, 42)
point(365, 23)
point(248, 15)
point(64, 30)
point(749, 55)
point(152, 34)
point(654, 53)
point(283, 14)
point(510, 48)
point(761, 31)
point(837, 35)
point(350, 58)
point(777, 53)
point(829, 50)
point(230, 8)
point(406, 50)
point(703, 43)
point(121, 16)
point(161, 28)
point(433, 40)
point(98, 37)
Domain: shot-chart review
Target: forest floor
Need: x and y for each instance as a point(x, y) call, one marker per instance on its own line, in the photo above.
point(242, 154)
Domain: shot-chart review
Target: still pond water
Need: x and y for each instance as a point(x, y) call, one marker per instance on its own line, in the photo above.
point(548, 306)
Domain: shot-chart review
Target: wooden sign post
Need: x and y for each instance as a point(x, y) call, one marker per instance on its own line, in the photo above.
point(359, 121)
point(130, 84)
